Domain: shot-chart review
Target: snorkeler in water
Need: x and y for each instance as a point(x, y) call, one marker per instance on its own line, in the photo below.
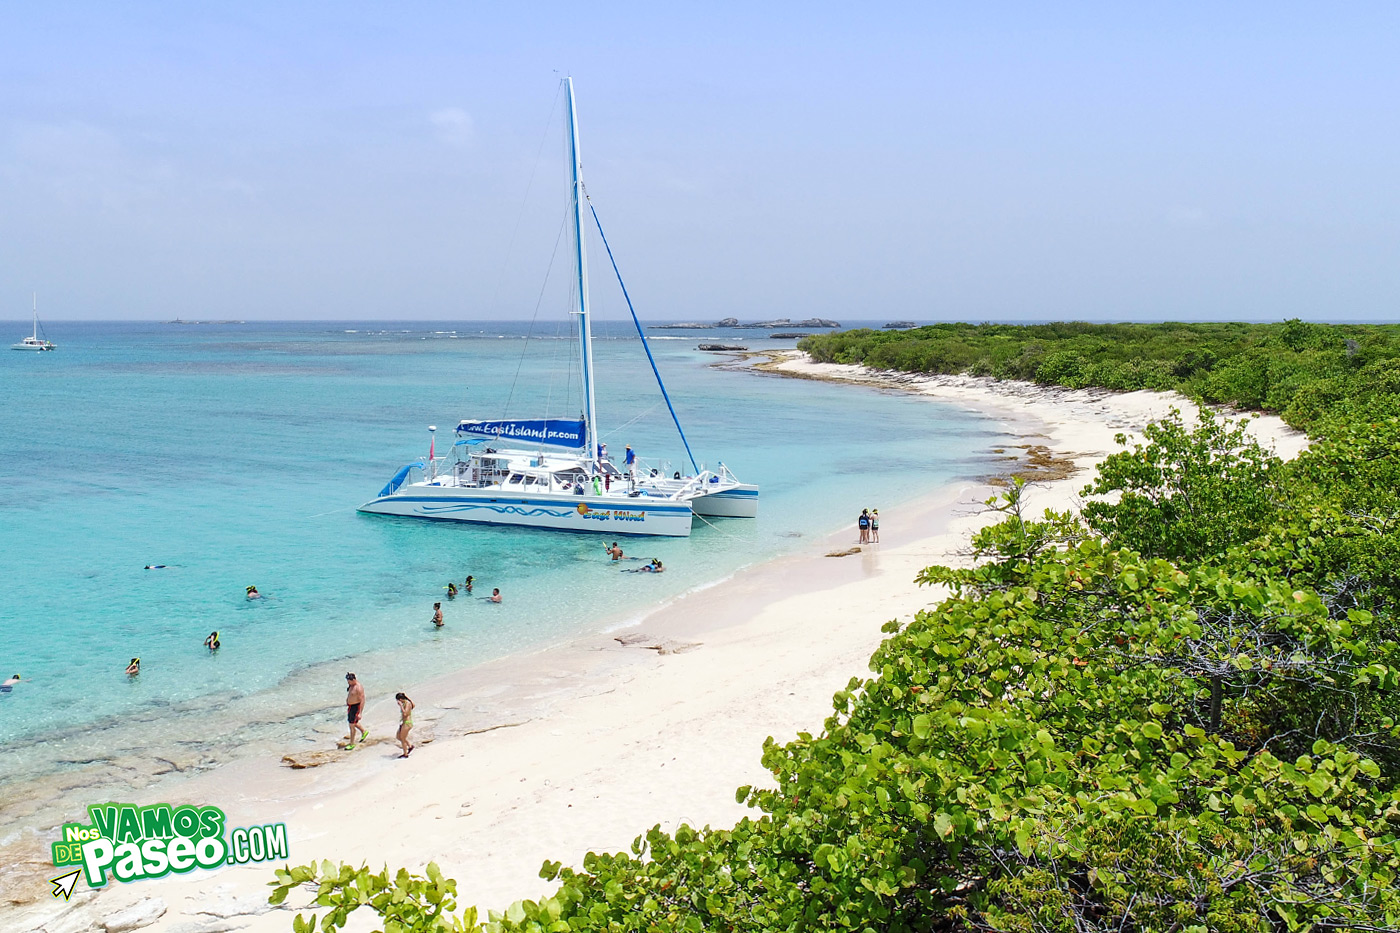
point(467, 583)
point(252, 592)
point(134, 667)
point(212, 642)
point(9, 685)
point(451, 591)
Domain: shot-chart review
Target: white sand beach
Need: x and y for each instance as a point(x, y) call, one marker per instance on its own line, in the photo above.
point(606, 740)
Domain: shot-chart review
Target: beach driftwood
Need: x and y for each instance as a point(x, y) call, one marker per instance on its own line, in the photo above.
point(659, 645)
point(720, 346)
point(846, 553)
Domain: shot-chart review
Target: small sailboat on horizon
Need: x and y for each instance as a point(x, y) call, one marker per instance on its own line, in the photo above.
point(35, 342)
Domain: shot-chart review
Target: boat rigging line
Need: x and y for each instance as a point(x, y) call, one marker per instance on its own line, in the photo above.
point(641, 333)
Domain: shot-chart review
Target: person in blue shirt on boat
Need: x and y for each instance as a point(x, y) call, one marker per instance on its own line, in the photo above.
point(631, 461)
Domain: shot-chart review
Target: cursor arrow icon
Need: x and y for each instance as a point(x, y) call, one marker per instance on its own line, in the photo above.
point(64, 884)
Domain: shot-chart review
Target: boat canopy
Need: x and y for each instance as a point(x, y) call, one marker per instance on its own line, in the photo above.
point(551, 431)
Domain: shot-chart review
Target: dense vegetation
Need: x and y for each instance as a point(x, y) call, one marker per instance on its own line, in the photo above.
point(1298, 369)
point(1173, 711)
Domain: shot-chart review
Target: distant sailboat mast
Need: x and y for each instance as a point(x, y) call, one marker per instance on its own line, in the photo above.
point(581, 258)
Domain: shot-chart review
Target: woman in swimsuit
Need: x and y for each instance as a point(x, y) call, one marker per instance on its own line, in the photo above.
point(212, 642)
point(134, 667)
point(437, 614)
point(405, 722)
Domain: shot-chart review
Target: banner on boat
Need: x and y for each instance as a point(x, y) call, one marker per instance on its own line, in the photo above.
point(550, 431)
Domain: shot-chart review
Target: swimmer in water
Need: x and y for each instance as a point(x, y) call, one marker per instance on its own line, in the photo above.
point(212, 642)
point(614, 552)
point(154, 567)
point(252, 592)
point(495, 596)
point(467, 583)
point(654, 566)
point(134, 667)
point(451, 591)
point(9, 685)
point(437, 614)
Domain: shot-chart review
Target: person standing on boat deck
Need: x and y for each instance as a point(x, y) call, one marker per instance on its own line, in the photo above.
point(354, 706)
point(631, 460)
point(863, 523)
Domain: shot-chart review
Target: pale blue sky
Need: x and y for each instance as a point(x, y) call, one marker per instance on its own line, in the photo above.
point(929, 161)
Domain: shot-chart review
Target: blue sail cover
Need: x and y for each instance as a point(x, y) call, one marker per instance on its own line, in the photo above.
point(549, 431)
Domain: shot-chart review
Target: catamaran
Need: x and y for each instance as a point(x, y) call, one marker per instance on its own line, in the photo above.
point(34, 342)
point(556, 473)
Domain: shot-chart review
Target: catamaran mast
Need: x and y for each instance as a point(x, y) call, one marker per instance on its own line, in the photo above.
point(581, 257)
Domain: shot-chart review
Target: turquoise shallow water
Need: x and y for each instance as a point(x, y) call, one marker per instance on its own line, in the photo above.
point(236, 455)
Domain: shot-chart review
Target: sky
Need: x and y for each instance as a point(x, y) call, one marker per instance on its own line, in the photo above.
point(930, 161)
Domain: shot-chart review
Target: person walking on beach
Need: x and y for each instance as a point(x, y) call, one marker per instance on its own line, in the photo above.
point(405, 722)
point(874, 526)
point(863, 523)
point(437, 614)
point(354, 706)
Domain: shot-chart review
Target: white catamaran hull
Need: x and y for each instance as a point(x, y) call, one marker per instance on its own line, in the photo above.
point(738, 501)
point(609, 515)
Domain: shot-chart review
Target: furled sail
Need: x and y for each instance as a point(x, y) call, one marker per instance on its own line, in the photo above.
point(551, 431)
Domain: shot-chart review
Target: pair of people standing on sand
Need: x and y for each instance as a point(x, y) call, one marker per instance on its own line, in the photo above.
point(354, 710)
point(869, 526)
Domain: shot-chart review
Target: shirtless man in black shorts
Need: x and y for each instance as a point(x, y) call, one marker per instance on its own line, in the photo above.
point(354, 704)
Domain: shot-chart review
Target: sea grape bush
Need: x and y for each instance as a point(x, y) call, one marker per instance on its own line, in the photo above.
point(1300, 370)
point(1174, 711)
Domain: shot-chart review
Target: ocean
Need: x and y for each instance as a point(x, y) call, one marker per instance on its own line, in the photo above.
point(235, 455)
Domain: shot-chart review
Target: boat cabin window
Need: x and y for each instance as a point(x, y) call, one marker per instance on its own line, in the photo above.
point(515, 478)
